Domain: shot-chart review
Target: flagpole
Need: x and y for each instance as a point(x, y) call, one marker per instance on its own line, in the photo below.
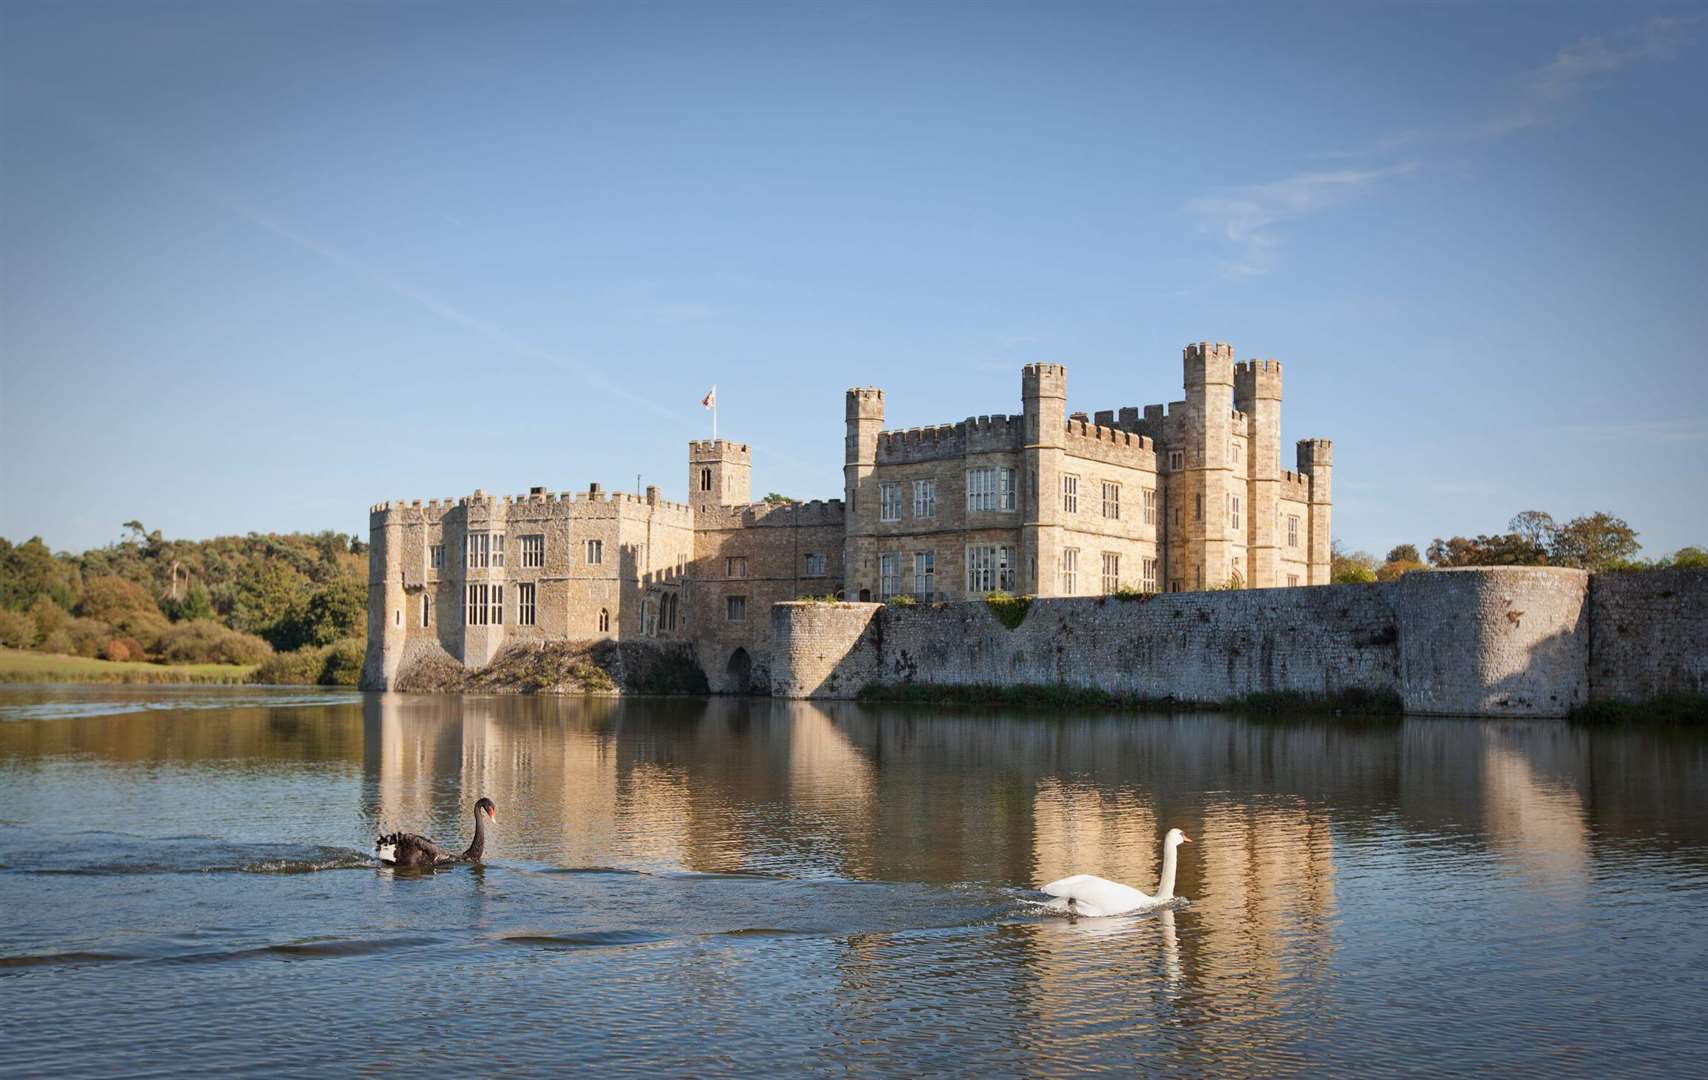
point(714, 412)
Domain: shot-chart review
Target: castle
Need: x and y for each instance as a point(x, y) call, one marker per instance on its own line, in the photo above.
point(1187, 497)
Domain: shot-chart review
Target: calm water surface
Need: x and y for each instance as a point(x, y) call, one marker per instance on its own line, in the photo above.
point(735, 887)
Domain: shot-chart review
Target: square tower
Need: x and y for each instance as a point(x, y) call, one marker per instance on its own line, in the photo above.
point(720, 473)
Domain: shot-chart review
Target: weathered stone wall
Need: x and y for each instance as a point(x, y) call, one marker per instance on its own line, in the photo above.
point(1506, 641)
point(1201, 647)
point(823, 650)
point(1648, 634)
point(1494, 641)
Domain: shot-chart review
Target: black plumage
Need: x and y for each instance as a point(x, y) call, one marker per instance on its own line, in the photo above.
point(408, 849)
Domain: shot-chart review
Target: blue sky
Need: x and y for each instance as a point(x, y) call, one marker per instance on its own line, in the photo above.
point(266, 264)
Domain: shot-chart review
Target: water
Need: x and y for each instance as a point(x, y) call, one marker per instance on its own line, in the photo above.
point(737, 887)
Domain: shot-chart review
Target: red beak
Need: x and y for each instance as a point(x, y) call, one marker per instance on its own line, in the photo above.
point(1184, 839)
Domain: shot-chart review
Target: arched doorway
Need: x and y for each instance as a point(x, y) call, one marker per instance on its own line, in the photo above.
point(739, 671)
point(865, 596)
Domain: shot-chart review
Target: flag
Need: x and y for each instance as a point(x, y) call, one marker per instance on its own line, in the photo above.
point(710, 401)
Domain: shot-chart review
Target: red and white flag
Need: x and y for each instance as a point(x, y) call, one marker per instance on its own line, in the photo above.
point(710, 401)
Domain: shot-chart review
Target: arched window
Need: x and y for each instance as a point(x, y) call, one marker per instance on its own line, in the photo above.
point(604, 621)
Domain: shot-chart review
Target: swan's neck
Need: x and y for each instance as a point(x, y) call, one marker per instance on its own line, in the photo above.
point(479, 844)
point(1165, 887)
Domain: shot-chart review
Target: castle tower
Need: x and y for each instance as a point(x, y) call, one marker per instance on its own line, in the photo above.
point(1043, 401)
point(720, 473)
point(386, 598)
point(865, 417)
point(1201, 550)
point(1316, 460)
point(1257, 393)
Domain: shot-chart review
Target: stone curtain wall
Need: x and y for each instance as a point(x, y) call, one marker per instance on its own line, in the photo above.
point(1648, 634)
point(1203, 647)
point(1505, 641)
point(822, 650)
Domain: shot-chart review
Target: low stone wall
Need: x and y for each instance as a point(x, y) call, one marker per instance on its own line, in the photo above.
point(1648, 634)
point(1504, 641)
point(1200, 646)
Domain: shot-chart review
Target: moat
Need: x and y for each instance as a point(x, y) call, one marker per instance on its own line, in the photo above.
point(728, 887)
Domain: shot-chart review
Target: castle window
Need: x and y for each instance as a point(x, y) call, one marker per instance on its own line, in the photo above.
point(436, 556)
point(735, 566)
point(989, 567)
point(925, 575)
point(397, 617)
point(533, 550)
point(498, 549)
point(889, 502)
point(924, 498)
point(1070, 494)
point(1236, 580)
point(1233, 511)
point(1198, 507)
point(1292, 581)
point(1111, 571)
point(595, 552)
point(484, 605)
point(889, 575)
point(1070, 570)
point(525, 604)
point(479, 550)
point(735, 608)
point(1150, 575)
point(649, 621)
point(426, 611)
point(705, 479)
point(1176, 461)
point(671, 601)
point(604, 621)
point(1293, 530)
point(1150, 507)
point(1111, 500)
point(990, 489)
point(1198, 577)
point(815, 565)
point(1175, 586)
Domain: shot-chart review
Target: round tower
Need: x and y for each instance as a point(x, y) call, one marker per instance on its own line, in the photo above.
point(865, 416)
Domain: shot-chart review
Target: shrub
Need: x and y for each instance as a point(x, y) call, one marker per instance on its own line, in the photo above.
point(337, 664)
point(902, 600)
point(118, 651)
point(1010, 610)
point(1129, 593)
point(86, 637)
point(16, 631)
point(148, 627)
point(48, 616)
point(203, 641)
point(57, 642)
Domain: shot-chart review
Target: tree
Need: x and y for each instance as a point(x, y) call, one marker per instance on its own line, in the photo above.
point(1350, 567)
point(1534, 527)
point(1596, 541)
point(334, 611)
point(1693, 558)
point(268, 600)
point(109, 599)
point(774, 498)
point(1403, 553)
point(1509, 549)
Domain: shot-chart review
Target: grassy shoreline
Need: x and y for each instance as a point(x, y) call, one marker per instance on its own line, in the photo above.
point(31, 667)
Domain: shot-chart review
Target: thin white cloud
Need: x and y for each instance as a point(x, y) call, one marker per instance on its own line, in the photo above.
point(1247, 217)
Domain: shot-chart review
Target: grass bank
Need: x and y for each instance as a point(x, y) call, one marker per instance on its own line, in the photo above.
point(16, 666)
point(1679, 709)
point(1345, 703)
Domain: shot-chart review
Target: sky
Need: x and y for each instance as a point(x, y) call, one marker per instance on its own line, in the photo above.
point(263, 265)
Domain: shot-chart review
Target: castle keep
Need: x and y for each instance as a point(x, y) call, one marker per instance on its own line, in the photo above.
point(1179, 498)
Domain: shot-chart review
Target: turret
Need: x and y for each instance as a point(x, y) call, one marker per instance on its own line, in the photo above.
point(1316, 460)
point(864, 410)
point(1043, 398)
point(720, 473)
point(1257, 393)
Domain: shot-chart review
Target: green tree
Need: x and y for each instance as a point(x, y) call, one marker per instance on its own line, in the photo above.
point(30, 570)
point(774, 497)
point(1593, 542)
point(1693, 558)
point(110, 598)
point(1509, 549)
point(1535, 527)
point(334, 611)
point(268, 602)
point(1350, 567)
point(1403, 553)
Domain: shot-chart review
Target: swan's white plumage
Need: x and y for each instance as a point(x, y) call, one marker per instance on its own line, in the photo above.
point(1087, 894)
point(386, 853)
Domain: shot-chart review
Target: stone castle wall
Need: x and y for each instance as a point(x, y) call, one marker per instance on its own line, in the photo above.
point(1648, 634)
point(1499, 641)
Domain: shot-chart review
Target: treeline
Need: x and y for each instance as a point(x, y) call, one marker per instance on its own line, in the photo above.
point(1600, 542)
point(233, 599)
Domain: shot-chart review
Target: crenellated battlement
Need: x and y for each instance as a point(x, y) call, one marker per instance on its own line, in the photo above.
point(1102, 442)
point(801, 515)
point(432, 510)
point(975, 434)
point(864, 403)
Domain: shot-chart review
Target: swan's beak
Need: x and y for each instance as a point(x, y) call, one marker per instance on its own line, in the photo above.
point(1184, 839)
point(492, 816)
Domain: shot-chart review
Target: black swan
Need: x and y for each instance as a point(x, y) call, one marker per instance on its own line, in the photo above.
point(407, 849)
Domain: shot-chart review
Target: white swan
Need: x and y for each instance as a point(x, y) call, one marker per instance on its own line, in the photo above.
point(1086, 894)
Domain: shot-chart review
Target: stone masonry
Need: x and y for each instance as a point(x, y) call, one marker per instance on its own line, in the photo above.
point(1178, 499)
